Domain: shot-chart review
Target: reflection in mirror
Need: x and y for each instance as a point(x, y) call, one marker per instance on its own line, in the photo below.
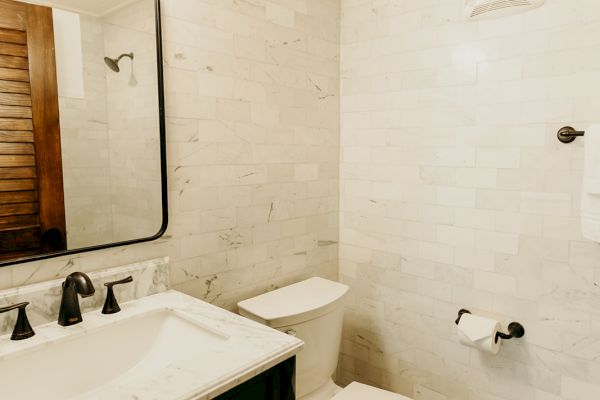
point(80, 143)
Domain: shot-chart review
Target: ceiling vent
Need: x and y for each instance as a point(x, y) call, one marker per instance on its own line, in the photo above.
point(484, 9)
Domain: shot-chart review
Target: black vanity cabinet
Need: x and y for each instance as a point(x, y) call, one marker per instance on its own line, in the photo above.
point(275, 384)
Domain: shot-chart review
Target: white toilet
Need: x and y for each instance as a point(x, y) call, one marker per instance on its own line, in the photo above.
point(312, 310)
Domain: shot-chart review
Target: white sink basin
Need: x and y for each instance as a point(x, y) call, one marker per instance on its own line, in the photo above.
point(166, 346)
point(139, 347)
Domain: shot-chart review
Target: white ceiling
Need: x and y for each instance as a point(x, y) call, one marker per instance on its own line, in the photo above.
point(93, 7)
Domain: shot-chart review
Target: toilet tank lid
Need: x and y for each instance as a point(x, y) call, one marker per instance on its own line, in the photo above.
point(294, 304)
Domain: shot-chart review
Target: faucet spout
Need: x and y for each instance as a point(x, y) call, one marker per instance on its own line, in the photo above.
point(75, 284)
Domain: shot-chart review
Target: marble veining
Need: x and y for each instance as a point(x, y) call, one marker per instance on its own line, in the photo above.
point(149, 277)
point(248, 349)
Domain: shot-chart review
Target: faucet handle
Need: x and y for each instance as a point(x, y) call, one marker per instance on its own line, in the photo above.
point(110, 305)
point(22, 328)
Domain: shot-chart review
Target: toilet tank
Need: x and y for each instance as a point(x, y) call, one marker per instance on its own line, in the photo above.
point(313, 311)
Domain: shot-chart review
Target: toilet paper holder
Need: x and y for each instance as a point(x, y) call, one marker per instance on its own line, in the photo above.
point(515, 329)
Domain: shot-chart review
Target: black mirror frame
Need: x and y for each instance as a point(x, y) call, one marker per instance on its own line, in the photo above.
point(163, 166)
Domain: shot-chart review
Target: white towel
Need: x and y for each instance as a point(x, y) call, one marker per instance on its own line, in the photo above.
point(590, 197)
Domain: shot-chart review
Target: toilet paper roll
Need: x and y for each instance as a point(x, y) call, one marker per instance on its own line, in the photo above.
point(479, 333)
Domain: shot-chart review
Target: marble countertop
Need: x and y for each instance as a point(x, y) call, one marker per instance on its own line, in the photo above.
point(247, 350)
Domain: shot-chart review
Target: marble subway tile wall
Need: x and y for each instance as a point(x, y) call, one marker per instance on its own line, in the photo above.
point(253, 150)
point(85, 147)
point(253, 122)
point(133, 122)
point(456, 193)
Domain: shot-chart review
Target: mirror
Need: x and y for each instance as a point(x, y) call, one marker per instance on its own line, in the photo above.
point(82, 139)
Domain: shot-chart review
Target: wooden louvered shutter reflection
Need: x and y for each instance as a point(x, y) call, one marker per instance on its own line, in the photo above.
point(31, 192)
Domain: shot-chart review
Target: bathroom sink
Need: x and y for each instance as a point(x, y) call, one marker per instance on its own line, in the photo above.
point(168, 346)
point(141, 347)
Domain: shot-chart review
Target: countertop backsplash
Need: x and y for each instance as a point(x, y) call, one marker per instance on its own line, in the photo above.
point(149, 277)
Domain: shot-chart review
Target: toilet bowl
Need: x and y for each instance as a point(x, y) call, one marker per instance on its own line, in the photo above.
point(358, 391)
point(312, 310)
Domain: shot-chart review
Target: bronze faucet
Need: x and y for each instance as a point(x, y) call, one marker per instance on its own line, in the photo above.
point(76, 283)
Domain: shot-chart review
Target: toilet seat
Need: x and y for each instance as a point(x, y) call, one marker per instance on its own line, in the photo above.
point(358, 391)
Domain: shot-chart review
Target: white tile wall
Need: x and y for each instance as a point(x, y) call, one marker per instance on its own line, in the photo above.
point(110, 145)
point(134, 145)
point(85, 148)
point(455, 193)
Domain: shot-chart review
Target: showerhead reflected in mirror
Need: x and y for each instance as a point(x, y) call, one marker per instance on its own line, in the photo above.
point(113, 63)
